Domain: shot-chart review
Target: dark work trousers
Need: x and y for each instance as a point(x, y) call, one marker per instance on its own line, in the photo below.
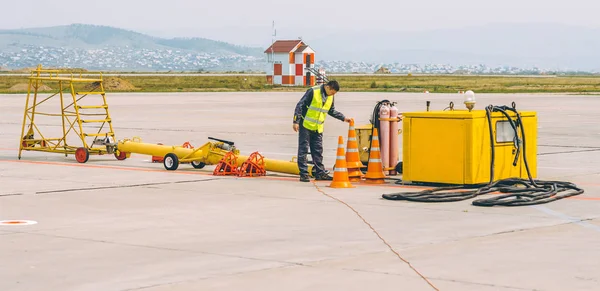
point(314, 140)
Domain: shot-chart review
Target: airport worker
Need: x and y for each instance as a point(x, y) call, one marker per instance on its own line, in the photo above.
point(309, 118)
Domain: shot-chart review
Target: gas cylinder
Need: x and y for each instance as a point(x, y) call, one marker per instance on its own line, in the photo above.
point(394, 143)
point(384, 139)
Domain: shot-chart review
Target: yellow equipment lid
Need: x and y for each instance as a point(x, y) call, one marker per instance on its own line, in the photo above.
point(463, 114)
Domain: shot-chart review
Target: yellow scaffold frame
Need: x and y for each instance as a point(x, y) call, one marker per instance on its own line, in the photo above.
point(103, 143)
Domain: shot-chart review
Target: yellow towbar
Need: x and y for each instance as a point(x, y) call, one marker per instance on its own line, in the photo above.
point(211, 153)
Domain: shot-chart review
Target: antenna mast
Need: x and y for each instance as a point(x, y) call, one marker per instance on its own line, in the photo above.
point(272, 43)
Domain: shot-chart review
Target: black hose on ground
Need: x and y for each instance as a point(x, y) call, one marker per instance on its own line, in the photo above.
point(519, 191)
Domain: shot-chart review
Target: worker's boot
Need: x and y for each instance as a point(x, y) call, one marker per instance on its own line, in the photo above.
point(304, 178)
point(323, 177)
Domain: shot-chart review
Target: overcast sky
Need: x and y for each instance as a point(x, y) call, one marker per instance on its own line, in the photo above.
point(248, 22)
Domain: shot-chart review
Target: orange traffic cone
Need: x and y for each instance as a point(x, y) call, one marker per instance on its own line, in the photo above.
point(340, 172)
point(375, 173)
point(352, 157)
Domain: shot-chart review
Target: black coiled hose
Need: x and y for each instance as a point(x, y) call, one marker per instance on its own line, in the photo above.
point(519, 191)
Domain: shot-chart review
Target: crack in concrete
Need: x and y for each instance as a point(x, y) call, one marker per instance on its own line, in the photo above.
point(568, 152)
point(573, 176)
point(539, 227)
point(207, 278)
point(418, 206)
point(123, 186)
point(498, 233)
point(11, 194)
point(483, 284)
point(576, 220)
point(324, 267)
point(440, 279)
point(568, 146)
point(159, 248)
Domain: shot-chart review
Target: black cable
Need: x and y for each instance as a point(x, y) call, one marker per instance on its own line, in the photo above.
point(535, 191)
point(519, 191)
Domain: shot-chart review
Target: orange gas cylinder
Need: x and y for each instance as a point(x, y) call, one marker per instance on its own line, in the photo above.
point(394, 142)
point(384, 132)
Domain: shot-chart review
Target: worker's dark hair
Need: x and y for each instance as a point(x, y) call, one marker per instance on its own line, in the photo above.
point(334, 85)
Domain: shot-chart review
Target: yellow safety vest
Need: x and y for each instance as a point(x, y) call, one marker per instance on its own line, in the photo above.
point(317, 111)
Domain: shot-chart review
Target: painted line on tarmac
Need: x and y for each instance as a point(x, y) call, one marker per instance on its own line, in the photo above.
point(561, 215)
point(183, 172)
point(18, 222)
point(105, 167)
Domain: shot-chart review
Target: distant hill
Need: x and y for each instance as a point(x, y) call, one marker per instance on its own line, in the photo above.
point(70, 45)
point(96, 36)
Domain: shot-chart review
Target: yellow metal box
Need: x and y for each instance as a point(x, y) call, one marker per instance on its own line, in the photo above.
point(363, 139)
point(453, 147)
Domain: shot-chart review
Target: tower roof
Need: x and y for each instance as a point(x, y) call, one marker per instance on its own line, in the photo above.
point(284, 46)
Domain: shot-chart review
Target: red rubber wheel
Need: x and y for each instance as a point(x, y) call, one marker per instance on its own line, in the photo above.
point(82, 155)
point(121, 155)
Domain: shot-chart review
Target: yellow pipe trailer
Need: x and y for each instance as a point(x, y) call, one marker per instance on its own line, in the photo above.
point(211, 153)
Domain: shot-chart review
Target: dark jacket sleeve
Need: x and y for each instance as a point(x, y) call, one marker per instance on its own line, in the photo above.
point(302, 106)
point(334, 113)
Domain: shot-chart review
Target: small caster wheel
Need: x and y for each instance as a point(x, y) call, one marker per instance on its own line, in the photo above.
point(82, 155)
point(198, 165)
point(171, 162)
